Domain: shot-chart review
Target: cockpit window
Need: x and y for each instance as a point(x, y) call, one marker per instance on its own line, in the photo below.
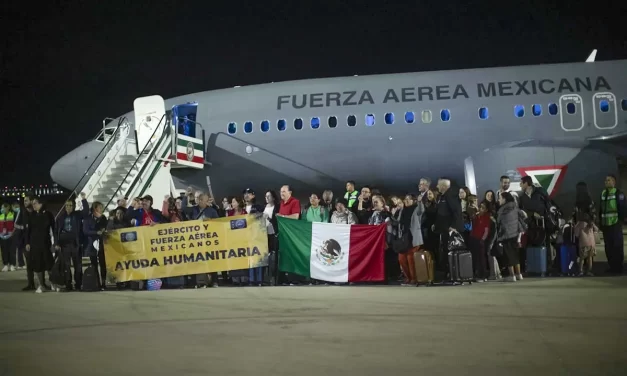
point(107, 131)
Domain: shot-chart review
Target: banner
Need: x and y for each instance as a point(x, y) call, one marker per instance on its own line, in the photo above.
point(183, 248)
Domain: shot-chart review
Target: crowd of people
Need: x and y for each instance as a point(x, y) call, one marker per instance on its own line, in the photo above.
point(496, 229)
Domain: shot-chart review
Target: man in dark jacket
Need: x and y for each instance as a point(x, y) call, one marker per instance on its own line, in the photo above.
point(448, 218)
point(67, 240)
point(251, 202)
point(533, 199)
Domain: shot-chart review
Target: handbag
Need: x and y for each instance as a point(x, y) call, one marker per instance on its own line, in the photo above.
point(401, 244)
point(497, 249)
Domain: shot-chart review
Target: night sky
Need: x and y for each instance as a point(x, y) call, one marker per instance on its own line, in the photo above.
point(66, 67)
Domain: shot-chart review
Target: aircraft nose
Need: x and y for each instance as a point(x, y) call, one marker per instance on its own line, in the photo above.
point(69, 169)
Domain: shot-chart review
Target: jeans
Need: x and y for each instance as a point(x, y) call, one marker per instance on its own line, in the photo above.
point(255, 275)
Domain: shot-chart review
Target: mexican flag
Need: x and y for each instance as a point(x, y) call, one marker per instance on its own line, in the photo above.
point(331, 252)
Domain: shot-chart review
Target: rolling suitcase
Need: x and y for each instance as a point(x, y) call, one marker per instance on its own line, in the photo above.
point(424, 267)
point(568, 259)
point(460, 266)
point(537, 254)
point(536, 260)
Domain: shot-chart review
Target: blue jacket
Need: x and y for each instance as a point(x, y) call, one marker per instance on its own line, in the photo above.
point(91, 226)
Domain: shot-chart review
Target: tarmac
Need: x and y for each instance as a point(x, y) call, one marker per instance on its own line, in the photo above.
point(549, 326)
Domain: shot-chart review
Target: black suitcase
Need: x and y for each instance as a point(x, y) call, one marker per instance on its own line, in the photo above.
point(460, 266)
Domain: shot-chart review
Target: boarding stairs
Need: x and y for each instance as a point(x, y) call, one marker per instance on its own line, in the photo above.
point(129, 168)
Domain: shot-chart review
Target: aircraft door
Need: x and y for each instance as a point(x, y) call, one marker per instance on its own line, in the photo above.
point(605, 110)
point(571, 112)
point(149, 112)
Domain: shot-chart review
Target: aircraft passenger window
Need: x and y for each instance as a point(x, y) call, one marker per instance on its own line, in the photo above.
point(426, 116)
point(483, 113)
point(298, 124)
point(232, 128)
point(370, 120)
point(623, 104)
point(604, 106)
point(571, 108)
point(248, 127)
point(332, 122)
point(536, 109)
point(389, 118)
point(315, 123)
point(281, 125)
point(265, 126)
point(409, 117)
point(519, 110)
point(552, 109)
point(445, 115)
point(351, 120)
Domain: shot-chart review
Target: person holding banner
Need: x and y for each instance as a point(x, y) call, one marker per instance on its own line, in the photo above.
point(205, 211)
point(270, 214)
point(94, 226)
point(255, 275)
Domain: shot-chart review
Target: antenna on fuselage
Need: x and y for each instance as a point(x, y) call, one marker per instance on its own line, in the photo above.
point(592, 56)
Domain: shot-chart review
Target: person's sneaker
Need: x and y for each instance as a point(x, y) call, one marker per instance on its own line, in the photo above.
point(6, 268)
point(29, 288)
point(12, 268)
point(480, 280)
point(510, 278)
point(39, 290)
point(581, 274)
point(519, 277)
point(589, 274)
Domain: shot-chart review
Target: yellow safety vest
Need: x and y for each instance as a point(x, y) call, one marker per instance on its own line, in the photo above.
point(609, 207)
point(351, 198)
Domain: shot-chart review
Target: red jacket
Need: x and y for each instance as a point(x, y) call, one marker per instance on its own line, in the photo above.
point(480, 226)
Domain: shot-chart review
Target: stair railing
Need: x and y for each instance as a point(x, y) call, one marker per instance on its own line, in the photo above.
point(106, 146)
point(148, 158)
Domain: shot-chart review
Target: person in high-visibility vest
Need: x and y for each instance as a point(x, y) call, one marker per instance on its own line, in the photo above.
point(7, 225)
point(351, 195)
point(611, 215)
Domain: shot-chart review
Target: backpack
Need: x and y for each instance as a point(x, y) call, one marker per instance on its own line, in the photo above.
point(90, 280)
point(57, 273)
point(552, 215)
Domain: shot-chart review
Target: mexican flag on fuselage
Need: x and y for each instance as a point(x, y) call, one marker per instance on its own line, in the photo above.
point(332, 252)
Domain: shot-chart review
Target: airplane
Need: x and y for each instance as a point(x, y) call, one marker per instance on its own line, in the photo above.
point(558, 123)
